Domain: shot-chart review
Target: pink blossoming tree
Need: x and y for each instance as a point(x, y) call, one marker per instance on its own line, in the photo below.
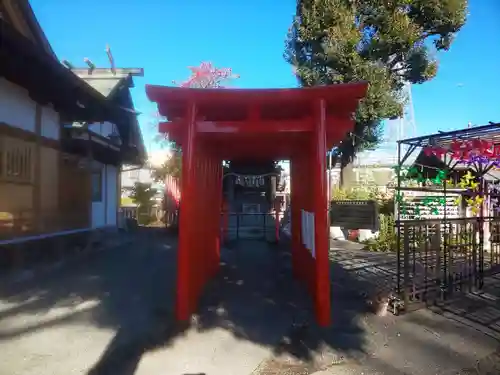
point(204, 76)
point(207, 76)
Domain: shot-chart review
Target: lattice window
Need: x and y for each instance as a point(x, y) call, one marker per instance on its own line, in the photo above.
point(16, 160)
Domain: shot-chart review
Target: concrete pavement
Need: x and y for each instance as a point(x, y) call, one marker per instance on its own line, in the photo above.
point(112, 315)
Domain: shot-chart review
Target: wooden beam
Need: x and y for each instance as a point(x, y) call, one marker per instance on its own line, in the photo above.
point(242, 127)
point(336, 125)
point(37, 173)
point(17, 18)
point(10, 130)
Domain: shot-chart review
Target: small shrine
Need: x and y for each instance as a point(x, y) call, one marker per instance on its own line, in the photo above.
point(251, 187)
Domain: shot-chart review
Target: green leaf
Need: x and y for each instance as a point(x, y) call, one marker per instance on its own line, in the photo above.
point(383, 42)
point(142, 194)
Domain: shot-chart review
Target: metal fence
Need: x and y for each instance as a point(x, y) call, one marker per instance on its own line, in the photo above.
point(256, 226)
point(440, 258)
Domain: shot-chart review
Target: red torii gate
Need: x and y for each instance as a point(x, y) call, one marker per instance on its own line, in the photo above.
point(212, 125)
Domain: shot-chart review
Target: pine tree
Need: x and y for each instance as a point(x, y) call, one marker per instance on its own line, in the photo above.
point(385, 42)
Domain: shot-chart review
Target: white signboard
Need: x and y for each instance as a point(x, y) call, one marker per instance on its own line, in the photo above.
point(307, 231)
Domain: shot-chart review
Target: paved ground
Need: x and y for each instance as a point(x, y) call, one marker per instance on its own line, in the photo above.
point(377, 271)
point(110, 314)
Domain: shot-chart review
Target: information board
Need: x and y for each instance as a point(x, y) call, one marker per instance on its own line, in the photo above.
point(354, 214)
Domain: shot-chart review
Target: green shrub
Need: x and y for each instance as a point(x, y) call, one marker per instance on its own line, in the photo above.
point(387, 239)
point(386, 207)
point(350, 194)
point(385, 202)
point(144, 216)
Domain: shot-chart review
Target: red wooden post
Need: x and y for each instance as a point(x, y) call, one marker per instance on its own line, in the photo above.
point(184, 287)
point(320, 204)
point(217, 205)
point(201, 235)
point(260, 136)
point(214, 216)
point(197, 231)
point(209, 229)
point(214, 219)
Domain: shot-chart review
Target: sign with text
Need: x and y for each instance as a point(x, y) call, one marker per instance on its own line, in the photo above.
point(354, 214)
point(250, 181)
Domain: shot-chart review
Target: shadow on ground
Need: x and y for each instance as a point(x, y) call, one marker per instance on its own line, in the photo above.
point(479, 310)
point(254, 297)
point(376, 273)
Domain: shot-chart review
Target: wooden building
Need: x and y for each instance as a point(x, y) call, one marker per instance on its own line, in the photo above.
point(62, 140)
point(113, 142)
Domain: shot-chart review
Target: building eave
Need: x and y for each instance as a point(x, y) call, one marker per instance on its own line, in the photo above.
point(47, 81)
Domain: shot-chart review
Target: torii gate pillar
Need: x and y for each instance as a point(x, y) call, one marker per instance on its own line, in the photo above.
point(213, 125)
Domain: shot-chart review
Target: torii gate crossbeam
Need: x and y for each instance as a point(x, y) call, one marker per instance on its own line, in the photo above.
point(212, 125)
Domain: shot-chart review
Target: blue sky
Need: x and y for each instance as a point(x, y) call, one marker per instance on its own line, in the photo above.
point(166, 36)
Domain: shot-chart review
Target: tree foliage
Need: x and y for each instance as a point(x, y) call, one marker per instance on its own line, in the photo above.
point(384, 42)
point(204, 76)
point(171, 167)
point(207, 76)
point(142, 194)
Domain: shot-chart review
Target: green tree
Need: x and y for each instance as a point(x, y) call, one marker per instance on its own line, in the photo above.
point(142, 194)
point(384, 42)
point(171, 167)
point(204, 76)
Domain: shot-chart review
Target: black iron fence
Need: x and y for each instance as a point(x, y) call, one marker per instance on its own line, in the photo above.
point(439, 258)
point(258, 226)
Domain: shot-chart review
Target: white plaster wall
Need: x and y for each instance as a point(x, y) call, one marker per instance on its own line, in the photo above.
point(16, 107)
point(104, 212)
point(50, 123)
point(111, 194)
point(129, 178)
